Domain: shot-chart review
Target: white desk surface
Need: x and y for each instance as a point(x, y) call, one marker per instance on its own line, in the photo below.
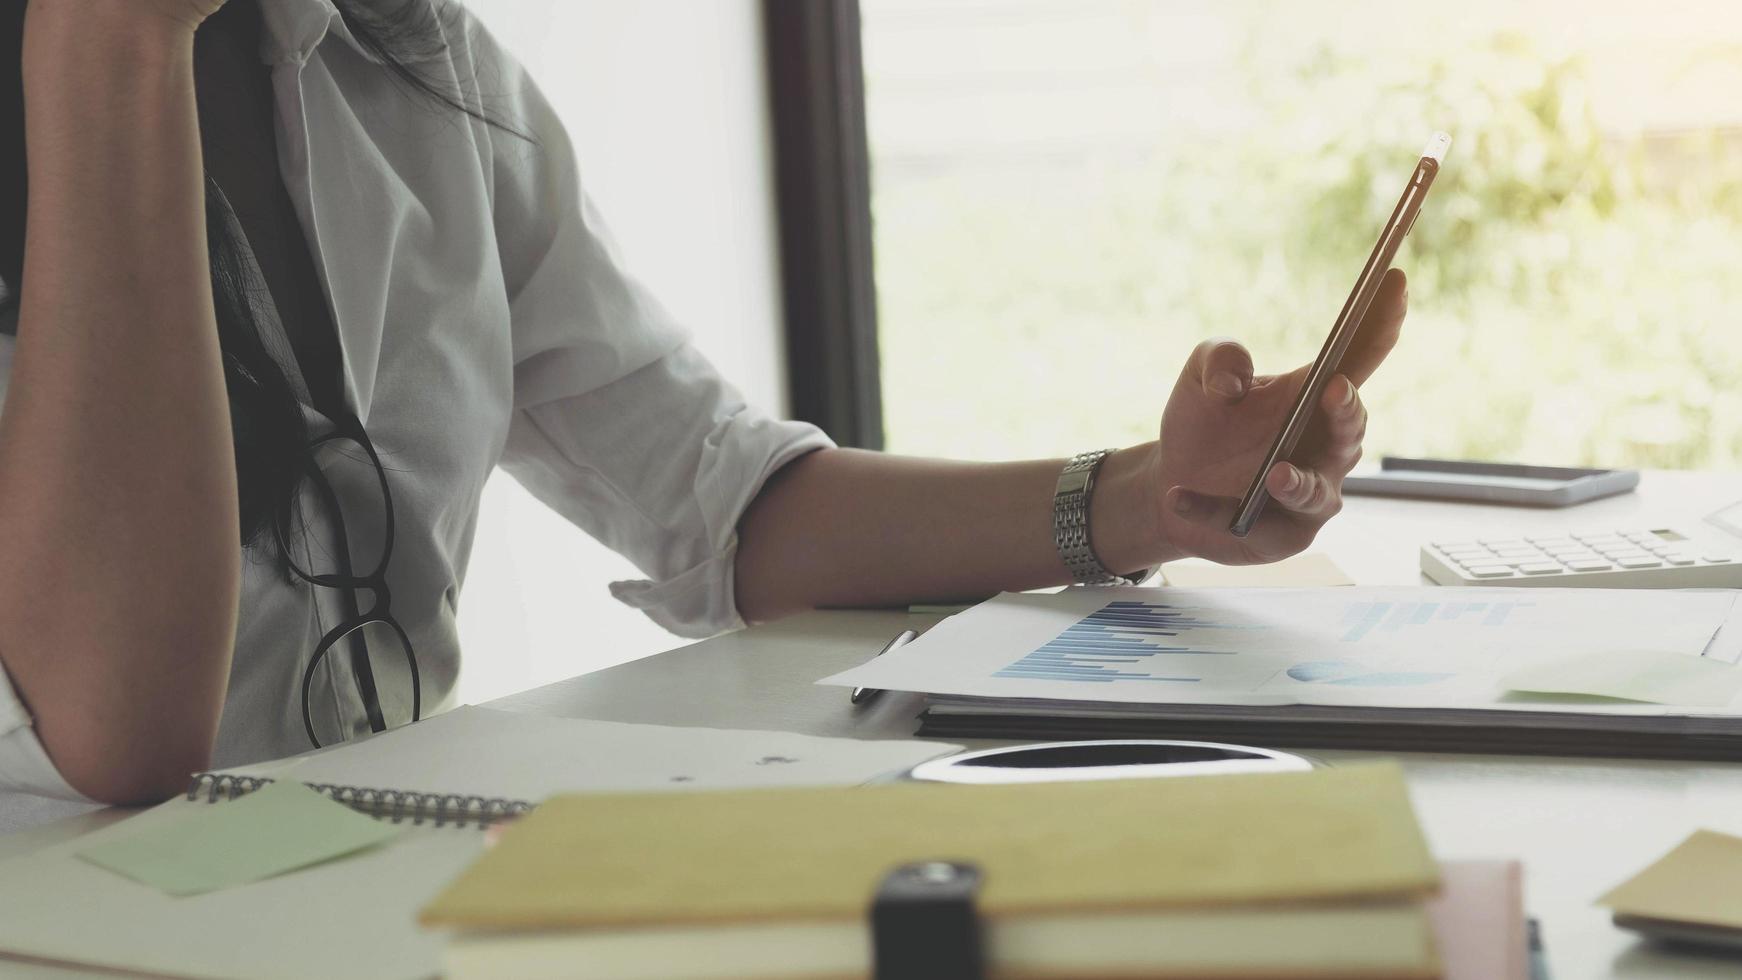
point(1580, 825)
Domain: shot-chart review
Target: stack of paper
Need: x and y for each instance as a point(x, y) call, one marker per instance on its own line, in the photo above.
point(1575, 671)
point(1306, 874)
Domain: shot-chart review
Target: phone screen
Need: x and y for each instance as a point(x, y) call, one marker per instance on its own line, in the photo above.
point(1343, 332)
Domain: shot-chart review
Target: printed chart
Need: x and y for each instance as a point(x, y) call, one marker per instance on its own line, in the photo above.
point(1125, 632)
point(1340, 646)
point(1352, 674)
point(1363, 618)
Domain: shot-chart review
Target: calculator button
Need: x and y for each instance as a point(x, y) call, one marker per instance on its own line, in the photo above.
point(1490, 571)
point(1642, 562)
point(1717, 559)
point(1676, 559)
point(1623, 554)
point(1540, 567)
point(1589, 565)
point(1498, 543)
point(1550, 544)
point(1517, 552)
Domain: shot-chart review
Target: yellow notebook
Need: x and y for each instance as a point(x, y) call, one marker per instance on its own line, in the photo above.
point(1692, 893)
point(612, 861)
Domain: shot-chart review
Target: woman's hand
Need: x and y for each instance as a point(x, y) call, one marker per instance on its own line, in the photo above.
point(92, 23)
point(184, 13)
point(190, 13)
point(1221, 420)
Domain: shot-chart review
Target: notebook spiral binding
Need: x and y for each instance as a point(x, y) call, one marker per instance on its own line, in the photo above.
point(434, 809)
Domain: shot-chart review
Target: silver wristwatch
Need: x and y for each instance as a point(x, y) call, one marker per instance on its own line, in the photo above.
point(1070, 522)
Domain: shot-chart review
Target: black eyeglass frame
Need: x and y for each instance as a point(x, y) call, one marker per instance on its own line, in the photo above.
point(380, 612)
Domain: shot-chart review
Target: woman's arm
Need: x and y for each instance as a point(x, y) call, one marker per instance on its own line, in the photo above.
point(119, 555)
point(850, 528)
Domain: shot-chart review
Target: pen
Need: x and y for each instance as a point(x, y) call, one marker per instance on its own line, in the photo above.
point(861, 695)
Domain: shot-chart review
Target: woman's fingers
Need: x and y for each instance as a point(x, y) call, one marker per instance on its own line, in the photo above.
point(1306, 492)
point(1345, 427)
point(1222, 367)
point(1379, 329)
point(1313, 489)
point(1197, 523)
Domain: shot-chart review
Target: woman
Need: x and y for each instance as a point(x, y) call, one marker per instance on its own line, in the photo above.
point(309, 270)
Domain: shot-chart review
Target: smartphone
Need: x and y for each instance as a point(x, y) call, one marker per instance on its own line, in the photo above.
point(1343, 332)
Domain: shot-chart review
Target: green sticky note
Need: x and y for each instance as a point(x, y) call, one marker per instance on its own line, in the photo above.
point(1634, 675)
point(278, 828)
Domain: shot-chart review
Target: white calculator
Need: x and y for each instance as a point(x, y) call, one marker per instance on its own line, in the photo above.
point(1651, 558)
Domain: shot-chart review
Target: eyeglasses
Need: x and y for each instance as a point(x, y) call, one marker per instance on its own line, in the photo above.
point(362, 632)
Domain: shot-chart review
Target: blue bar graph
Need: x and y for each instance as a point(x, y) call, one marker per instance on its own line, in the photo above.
point(1118, 634)
point(1363, 618)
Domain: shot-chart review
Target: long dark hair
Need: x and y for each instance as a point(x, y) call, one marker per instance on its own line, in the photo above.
point(267, 425)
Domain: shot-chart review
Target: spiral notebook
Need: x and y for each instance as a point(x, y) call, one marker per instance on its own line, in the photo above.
point(473, 767)
point(355, 916)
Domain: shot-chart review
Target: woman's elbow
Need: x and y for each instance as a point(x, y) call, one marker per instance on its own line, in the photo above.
point(129, 769)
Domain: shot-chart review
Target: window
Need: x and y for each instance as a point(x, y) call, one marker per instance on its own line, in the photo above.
point(688, 200)
point(1069, 194)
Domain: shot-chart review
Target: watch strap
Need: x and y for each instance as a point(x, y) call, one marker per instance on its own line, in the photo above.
point(1070, 521)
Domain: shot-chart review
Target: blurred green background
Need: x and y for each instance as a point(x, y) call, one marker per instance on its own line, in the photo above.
point(1069, 195)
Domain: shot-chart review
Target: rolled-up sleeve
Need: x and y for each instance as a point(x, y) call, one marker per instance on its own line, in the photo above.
point(24, 765)
point(620, 424)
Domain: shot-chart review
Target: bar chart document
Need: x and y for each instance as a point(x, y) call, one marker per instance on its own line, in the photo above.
point(1381, 647)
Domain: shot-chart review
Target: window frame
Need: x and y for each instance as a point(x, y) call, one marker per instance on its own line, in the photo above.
point(816, 84)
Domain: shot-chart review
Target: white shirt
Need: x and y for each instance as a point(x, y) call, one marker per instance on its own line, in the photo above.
point(484, 321)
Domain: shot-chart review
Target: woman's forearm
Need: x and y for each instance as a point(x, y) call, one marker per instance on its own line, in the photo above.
point(850, 528)
point(119, 556)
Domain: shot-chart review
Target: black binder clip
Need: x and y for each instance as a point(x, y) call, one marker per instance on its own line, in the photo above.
point(924, 925)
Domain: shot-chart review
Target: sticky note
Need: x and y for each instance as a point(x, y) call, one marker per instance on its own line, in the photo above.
point(1699, 881)
point(279, 828)
point(1633, 675)
point(1308, 570)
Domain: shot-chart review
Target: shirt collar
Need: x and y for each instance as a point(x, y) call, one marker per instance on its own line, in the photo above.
point(294, 28)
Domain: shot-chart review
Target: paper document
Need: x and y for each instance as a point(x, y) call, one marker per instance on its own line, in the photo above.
point(1393, 647)
point(280, 828)
point(510, 755)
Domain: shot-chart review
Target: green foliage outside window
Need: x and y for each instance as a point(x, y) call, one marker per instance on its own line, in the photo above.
point(1574, 295)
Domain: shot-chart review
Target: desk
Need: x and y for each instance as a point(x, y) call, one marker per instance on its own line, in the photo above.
point(1579, 825)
